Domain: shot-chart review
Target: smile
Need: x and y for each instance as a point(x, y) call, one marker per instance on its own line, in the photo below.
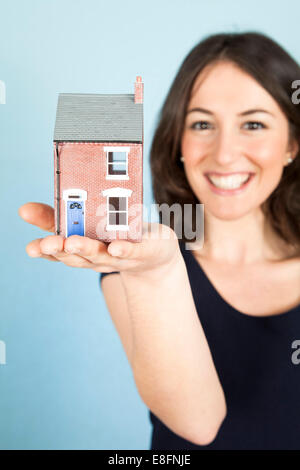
point(232, 183)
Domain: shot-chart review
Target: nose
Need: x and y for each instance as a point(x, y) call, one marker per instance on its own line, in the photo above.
point(225, 150)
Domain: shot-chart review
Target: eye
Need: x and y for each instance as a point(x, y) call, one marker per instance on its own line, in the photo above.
point(201, 125)
point(255, 125)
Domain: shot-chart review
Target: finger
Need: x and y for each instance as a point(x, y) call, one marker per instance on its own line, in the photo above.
point(41, 215)
point(53, 245)
point(148, 247)
point(76, 251)
point(74, 261)
point(33, 250)
point(127, 249)
point(91, 249)
point(96, 252)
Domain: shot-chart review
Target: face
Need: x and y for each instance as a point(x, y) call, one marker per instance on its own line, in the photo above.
point(235, 141)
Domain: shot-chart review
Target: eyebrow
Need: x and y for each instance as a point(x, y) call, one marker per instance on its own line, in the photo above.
point(244, 113)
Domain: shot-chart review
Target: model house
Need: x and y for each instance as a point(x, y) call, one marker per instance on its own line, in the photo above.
point(98, 165)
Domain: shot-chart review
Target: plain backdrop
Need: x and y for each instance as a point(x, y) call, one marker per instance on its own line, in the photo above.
point(66, 383)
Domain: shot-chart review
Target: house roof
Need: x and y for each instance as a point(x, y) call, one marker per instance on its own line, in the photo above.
point(82, 117)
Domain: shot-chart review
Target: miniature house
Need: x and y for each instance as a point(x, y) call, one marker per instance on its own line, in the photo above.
point(98, 165)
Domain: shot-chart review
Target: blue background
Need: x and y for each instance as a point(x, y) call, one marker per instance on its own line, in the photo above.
point(67, 383)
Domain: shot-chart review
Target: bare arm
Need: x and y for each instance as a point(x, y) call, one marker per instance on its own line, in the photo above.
point(166, 346)
point(115, 298)
point(155, 316)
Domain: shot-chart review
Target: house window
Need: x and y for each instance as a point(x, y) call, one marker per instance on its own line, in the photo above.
point(117, 211)
point(117, 162)
point(117, 208)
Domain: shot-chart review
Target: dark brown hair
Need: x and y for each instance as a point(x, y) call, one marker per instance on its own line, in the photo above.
point(275, 70)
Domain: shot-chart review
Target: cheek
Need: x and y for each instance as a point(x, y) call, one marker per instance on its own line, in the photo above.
point(192, 149)
point(268, 158)
point(266, 153)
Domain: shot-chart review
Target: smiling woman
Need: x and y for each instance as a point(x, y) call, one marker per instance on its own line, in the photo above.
point(228, 137)
point(231, 167)
point(228, 111)
point(209, 332)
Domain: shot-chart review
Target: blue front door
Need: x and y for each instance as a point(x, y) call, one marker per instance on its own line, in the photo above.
point(75, 218)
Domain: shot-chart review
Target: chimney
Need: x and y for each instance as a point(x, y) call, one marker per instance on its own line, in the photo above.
point(138, 90)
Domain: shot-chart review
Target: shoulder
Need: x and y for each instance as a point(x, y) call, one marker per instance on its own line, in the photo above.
point(293, 267)
point(290, 267)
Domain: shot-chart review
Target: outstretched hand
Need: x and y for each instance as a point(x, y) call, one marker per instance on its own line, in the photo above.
point(159, 246)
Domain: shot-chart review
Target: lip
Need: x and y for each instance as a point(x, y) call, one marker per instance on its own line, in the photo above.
point(228, 192)
point(217, 173)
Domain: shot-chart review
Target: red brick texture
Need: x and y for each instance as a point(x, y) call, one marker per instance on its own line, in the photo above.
point(138, 90)
point(83, 166)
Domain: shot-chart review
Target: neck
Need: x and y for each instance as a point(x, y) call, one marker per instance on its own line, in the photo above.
point(246, 240)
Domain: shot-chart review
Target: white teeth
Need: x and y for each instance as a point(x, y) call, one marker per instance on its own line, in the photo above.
point(229, 182)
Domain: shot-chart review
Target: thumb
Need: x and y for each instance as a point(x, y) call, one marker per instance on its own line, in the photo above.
point(41, 215)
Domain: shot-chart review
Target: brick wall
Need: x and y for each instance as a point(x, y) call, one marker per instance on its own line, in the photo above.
point(83, 166)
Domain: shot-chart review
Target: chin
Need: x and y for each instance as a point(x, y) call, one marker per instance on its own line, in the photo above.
point(228, 214)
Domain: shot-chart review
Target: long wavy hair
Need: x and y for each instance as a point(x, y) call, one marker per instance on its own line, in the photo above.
point(275, 70)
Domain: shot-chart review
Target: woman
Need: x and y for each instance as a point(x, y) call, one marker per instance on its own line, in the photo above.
point(210, 333)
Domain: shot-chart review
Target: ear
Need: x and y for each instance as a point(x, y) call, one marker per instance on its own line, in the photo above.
point(294, 148)
point(292, 151)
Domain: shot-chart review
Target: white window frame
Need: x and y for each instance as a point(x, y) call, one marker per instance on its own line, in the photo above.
point(116, 192)
point(116, 149)
point(67, 196)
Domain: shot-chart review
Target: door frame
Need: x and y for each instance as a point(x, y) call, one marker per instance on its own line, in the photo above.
point(76, 195)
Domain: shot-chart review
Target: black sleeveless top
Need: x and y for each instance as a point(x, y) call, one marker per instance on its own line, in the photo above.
point(257, 364)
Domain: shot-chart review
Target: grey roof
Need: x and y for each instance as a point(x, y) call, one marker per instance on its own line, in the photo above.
point(82, 117)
